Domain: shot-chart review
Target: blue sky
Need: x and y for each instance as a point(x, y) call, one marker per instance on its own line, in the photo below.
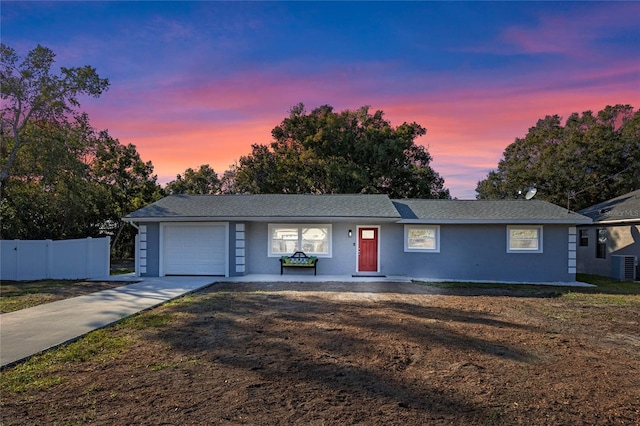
point(199, 82)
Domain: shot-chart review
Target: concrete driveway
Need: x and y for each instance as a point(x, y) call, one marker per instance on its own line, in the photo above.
point(30, 331)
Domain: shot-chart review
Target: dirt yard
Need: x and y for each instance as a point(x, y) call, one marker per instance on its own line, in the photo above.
point(369, 354)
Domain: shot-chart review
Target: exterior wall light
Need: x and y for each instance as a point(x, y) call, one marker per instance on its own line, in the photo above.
point(350, 233)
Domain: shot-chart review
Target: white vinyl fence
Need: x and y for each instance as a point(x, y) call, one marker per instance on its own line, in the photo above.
point(65, 259)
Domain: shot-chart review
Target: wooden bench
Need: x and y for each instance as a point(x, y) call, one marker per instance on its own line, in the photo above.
point(299, 260)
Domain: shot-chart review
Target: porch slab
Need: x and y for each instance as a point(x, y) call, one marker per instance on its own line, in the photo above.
point(291, 278)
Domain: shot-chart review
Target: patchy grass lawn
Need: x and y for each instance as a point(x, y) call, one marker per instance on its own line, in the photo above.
point(16, 295)
point(404, 354)
point(602, 286)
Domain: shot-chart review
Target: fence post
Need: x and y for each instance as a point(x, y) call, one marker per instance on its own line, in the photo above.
point(108, 259)
point(49, 267)
point(18, 277)
point(89, 257)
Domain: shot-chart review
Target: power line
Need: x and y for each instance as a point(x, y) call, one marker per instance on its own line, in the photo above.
point(572, 194)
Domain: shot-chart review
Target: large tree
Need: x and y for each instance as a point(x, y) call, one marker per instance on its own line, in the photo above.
point(130, 184)
point(352, 151)
point(74, 183)
point(32, 95)
point(202, 181)
point(47, 194)
point(59, 178)
point(589, 159)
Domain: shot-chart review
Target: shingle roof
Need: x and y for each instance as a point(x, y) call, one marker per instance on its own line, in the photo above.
point(624, 208)
point(374, 206)
point(485, 211)
point(269, 206)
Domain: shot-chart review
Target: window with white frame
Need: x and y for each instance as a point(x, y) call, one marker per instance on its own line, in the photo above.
point(422, 238)
point(524, 239)
point(312, 239)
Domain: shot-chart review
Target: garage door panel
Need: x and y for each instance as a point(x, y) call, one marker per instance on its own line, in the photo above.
point(194, 250)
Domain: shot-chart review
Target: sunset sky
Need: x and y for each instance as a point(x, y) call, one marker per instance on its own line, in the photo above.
point(198, 82)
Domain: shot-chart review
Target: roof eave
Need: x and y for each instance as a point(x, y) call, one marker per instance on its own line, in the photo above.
point(497, 221)
point(260, 219)
point(616, 221)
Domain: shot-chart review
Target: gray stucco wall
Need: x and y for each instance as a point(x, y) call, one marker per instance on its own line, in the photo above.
point(467, 252)
point(153, 257)
point(342, 261)
point(479, 252)
point(622, 240)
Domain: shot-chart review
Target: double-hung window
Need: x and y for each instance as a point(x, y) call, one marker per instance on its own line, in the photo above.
point(422, 238)
point(524, 239)
point(312, 239)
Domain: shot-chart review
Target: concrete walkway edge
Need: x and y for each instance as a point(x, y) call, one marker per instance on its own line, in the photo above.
point(33, 330)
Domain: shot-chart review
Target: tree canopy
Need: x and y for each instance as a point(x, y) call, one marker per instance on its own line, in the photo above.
point(590, 159)
point(74, 183)
point(33, 98)
point(202, 181)
point(352, 151)
point(60, 177)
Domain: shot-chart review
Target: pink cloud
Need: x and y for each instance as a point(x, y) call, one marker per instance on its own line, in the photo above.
point(177, 125)
point(551, 36)
point(572, 34)
point(469, 130)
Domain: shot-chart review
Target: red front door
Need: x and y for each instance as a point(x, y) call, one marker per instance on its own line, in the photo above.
point(367, 249)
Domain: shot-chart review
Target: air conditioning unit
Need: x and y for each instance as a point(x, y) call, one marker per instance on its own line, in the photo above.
point(623, 268)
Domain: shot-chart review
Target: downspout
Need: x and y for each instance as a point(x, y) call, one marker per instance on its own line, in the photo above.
point(132, 224)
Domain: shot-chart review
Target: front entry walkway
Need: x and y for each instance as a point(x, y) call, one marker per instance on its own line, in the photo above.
point(310, 278)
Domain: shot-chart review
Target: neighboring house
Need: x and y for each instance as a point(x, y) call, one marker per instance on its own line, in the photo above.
point(234, 235)
point(615, 232)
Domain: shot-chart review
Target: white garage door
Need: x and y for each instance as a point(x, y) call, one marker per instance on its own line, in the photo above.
point(194, 250)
